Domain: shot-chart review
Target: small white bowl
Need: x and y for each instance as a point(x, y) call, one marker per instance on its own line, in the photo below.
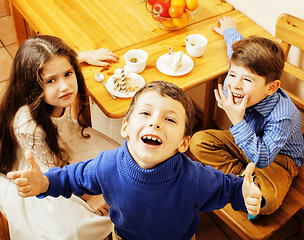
point(196, 44)
point(136, 60)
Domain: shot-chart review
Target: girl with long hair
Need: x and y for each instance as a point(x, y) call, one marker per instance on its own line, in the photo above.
point(36, 114)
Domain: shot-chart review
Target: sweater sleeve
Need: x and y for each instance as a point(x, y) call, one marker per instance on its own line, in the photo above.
point(217, 189)
point(80, 178)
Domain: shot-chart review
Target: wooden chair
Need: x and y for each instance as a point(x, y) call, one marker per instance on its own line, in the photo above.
point(290, 30)
point(4, 232)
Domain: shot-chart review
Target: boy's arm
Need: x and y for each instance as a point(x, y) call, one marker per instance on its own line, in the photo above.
point(228, 29)
point(30, 182)
point(216, 189)
point(262, 150)
point(77, 178)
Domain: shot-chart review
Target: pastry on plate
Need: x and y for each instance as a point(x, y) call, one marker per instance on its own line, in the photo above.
point(123, 82)
point(174, 59)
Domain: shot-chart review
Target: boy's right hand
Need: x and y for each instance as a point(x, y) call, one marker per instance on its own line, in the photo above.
point(235, 112)
point(225, 23)
point(30, 182)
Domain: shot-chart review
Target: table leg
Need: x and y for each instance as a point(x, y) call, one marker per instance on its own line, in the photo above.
point(7, 7)
point(20, 24)
point(208, 117)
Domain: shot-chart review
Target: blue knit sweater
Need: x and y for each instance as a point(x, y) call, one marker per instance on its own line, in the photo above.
point(158, 203)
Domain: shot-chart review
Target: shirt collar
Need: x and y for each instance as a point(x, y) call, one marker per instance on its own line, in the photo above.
point(266, 106)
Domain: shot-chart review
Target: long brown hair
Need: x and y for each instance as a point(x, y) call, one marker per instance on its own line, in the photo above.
point(25, 88)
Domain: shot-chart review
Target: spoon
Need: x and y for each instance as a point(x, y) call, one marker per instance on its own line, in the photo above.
point(100, 78)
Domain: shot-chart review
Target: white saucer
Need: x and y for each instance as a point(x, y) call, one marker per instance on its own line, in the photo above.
point(163, 66)
point(137, 80)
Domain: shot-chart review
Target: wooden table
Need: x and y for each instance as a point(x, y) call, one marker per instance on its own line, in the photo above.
point(212, 65)
point(87, 25)
point(115, 24)
point(121, 25)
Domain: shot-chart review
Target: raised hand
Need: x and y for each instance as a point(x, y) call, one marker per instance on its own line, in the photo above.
point(30, 182)
point(100, 57)
point(235, 112)
point(225, 23)
point(251, 193)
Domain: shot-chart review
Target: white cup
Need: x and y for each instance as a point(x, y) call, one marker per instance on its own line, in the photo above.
point(196, 44)
point(136, 60)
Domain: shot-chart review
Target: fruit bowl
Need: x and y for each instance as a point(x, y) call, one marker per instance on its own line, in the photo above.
point(173, 23)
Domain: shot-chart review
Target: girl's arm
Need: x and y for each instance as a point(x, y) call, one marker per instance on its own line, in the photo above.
point(32, 137)
point(97, 203)
point(100, 57)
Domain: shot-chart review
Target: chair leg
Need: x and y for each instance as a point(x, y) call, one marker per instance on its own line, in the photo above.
point(302, 231)
point(4, 231)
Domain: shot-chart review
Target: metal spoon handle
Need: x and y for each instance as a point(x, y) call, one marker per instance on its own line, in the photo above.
point(108, 91)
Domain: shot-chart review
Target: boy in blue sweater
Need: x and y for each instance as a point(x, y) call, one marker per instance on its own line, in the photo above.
point(154, 191)
point(266, 125)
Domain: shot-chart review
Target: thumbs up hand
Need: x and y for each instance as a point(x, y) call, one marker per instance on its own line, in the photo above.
point(251, 193)
point(30, 182)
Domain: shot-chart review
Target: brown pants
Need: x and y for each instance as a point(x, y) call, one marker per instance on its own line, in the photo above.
point(218, 149)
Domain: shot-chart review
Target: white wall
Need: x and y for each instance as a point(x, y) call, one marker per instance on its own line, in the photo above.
point(265, 14)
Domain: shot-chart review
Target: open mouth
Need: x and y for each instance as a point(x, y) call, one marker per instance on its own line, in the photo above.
point(237, 97)
point(151, 140)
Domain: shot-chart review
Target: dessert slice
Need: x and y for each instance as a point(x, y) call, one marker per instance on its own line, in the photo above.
point(174, 59)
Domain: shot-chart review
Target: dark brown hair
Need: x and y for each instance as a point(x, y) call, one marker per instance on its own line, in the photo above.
point(25, 88)
point(261, 55)
point(167, 89)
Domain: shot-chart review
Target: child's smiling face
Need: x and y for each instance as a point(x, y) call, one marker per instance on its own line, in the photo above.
point(155, 129)
point(244, 82)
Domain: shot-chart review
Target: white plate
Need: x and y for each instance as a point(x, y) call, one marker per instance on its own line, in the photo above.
point(137, 80)
point(163, 66)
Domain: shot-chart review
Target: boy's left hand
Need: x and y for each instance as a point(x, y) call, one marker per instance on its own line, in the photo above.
point(235, 112)
point(251, 193)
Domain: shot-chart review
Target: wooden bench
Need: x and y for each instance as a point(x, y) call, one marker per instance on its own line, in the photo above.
point(290, 30)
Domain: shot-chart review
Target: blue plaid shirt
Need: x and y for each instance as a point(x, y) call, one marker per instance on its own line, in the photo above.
point(270, 127)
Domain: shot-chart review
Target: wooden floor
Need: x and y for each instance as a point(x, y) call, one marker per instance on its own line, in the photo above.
point(211, 228)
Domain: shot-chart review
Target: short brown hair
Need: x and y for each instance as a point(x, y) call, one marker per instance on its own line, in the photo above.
point(261, 55)
point(167, 89)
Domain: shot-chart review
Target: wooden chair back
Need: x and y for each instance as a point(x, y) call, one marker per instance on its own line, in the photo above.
point(290, 30)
